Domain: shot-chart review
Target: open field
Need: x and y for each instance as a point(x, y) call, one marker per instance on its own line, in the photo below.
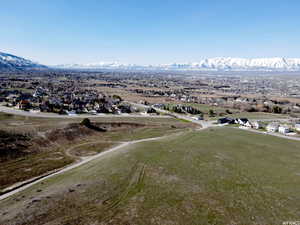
point(23, 123)
point(205, 108)
point(215, 176)
point(234, 113)
point(55, 143)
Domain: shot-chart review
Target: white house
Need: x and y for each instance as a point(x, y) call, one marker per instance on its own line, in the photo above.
point(283, 129)
point(272, 127)
point(242, 121)
point(248, 124)
point(297, 126)
point(257, 125)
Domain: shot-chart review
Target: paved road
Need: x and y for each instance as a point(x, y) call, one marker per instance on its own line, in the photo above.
point(54, 115)
point(276, 120)
point(33, 181)
point(272, 134)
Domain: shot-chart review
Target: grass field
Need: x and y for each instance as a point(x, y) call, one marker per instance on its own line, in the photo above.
point(234, 112)
point(54, 153)
point(259, 115)
point(205, 108)
point(216, 176)
point(21, 123)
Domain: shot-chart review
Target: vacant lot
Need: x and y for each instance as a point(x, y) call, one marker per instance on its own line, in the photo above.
point(216, 176)
point(33, 146)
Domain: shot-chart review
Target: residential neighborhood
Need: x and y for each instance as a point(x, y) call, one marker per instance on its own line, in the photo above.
point(292, 128)
point(62, 97)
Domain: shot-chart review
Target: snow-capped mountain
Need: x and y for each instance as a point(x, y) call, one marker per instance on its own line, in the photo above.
point(249, 64)
point(10, 62)
point(101, 65)
point(220, 63)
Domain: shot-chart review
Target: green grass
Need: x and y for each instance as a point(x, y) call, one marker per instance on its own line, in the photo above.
point(183, 120)
point(234, 112)
point(141, 133)
point(205, 108)
point(217, 176)
point(259, 115)
point(253, 115)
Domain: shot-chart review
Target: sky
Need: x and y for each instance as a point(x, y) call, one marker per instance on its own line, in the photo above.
point(148, 31)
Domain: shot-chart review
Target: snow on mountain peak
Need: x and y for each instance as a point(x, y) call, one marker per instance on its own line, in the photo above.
point(218, 63)
point(12, 62)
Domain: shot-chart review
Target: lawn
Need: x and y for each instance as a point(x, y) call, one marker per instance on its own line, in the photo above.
point(216, 176)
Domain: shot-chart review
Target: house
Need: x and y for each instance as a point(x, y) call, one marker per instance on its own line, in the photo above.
point(151, 110)
point(283, 129)
point(225, 120)
point(243, 122)
point(272, 127)
point(248, 124)
point(257, 125)
point(297, 127)
point(24, 105)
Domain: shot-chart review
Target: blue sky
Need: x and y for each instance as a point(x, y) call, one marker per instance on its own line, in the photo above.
point(148, 32)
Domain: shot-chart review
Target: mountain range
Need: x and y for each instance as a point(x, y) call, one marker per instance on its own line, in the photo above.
point(10, 62)
point(220, 63)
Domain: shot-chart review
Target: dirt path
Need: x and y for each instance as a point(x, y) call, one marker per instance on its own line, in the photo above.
point(33, 181)
point(68, 151)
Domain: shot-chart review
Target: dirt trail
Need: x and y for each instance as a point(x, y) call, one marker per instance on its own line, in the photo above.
point(68, 151)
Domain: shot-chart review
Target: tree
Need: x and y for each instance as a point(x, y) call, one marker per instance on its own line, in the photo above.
point(276, 109)
point(117, 97)
point(86, 122)
point(228, 111)
point(211, 113)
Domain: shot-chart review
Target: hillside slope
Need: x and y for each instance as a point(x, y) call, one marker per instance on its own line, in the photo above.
point(10, 62)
